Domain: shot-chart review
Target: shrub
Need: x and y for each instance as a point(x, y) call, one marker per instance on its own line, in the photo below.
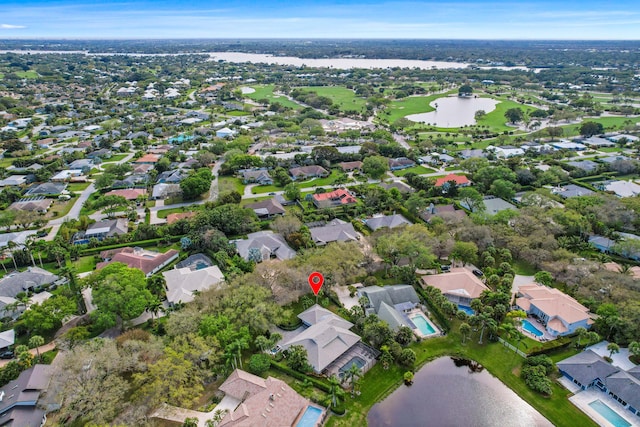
point(259, 363)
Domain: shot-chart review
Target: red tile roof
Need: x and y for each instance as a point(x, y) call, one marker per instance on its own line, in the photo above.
point(458, 179)
point(340, 194)
point(129, 193)
point(171, 218)
point(148, 158)
point(138, 258)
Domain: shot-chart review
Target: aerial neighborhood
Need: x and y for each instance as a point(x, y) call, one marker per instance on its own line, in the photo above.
point(161, 213)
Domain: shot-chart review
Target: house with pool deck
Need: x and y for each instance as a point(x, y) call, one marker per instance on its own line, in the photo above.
point(588, 371)
point(270, 402)
point(559, 313)
point(331, 347)
point(459, 286)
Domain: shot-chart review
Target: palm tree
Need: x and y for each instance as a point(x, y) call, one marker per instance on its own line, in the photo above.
point(335, 392)
point(239, 345)
point(262, 342)
point(352, 375)
point(35, 342)
point(634, 348)
point(386, 358)
point(465, 330)
point(154, 307)
point(582, 333)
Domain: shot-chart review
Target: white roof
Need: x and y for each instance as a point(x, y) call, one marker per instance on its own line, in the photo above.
point(623, 188)
point(183, 282)
point(7, 338)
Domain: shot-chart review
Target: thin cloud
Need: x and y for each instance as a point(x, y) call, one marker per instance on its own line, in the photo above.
point(11, 27)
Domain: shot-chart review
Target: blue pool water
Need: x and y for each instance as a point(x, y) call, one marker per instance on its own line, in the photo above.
point(200, 265)
point(423, 325)
point(527, 326)
point(466, 309)
point(310, 417)
point(358, 361)
point(608, 413)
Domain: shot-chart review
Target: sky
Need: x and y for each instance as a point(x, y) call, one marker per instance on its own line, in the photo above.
point(462, 19)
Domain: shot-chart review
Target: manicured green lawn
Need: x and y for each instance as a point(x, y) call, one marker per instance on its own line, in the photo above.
point(609, 123)
point(228, 183)
point(330, 180)
point(496, 119)
point(61, 208)
point(524, 268)
point(609, 149)
point(409, 105)
point(237, 113)
point(416, 169)
point(344, 98)
point(266, 92)
point(31, 74)
point(116, 157)
point(84, 264)
point(265, 189)
point(498, 360)
point(78, 186)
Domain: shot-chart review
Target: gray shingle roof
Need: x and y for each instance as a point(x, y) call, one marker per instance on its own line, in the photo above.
point(389, 221)
point(586, 367)
point(12, 285)
point(334, 232)
point(268, 243)
point(625, 386)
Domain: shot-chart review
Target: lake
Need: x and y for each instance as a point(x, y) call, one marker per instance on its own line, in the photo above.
point(444, 395)
point(454, 111)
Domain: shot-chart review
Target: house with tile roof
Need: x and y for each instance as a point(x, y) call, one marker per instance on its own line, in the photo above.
point(267, 209)
point(350, 166)
point(183, 283)
point(266, 402)
point(174, 217)
point(559, 313)
point(386, 221)
point(306, 172)
point(149, 262)
point(147, 159)
point(440, 211)
point(459, 285)
point(264, 245)
point(339, 197)
point(335, 231)
point(32, 204)
point(20, 398)
point(128, 193)
point(459, 180)
point(326, 337)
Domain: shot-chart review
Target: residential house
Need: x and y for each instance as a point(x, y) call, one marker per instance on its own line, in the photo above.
point(141, 168)
point(493, 205)
point(264, 245)
point(171, 177)
point(350, 166)
point(441, 211)
point(134, 180)
point(257, 401)
point(325, 338)
point(571, 190)
point(401, 163)
point(629, 138)
point(128, 193)
point(388, 221)
point(339, 197)
point(14, 181)
point(174, 217)
point(587, 166)
point(598, 142)
point(459, 180)
point(459, 285)
point(559, 313)
point(622, 188)
point(84, 165)
point(470, 154)
point(149, 262)
point(30, 280)
point(391, 303)
point(607, 245)
point(225, 133)
point(184, 283)
point(568, 145)
point(267, 209)
point(103, 153)
point(257, 176)
point(32, 204)
point(20, 399)
point(506, 151)
point(306, 172)
point(147, 159)
point(66, 175)
point(46, 189)
point(106, 228)
point(335, 231)
point(7, 339)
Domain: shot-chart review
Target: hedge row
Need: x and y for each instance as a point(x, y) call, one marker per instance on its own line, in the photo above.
point(300, 376)
point(140, 243)
point(550, 346)
point(435, 310)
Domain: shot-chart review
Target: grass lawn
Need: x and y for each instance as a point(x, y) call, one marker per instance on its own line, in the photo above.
point(266, 92)
point(84, 264)
point(524, 268)
point(344, 98)
point(410, 105)
point(166, 212)
point(496, 119)
point(228, 183)
point(610, 150)
point(31, 74)
point(416, 169)
point(61, 208)
point(330, 180)
point(78, 186)
point(498, 360)
point(237, 113)
point(609, 123)
point(265, 189)
point(116, 158)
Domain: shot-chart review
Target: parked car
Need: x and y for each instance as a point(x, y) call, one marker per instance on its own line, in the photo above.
point(478, 272)
point(7, 354)
point(445, 268)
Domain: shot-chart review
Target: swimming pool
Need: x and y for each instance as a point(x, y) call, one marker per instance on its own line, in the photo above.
point(310, 417)
point(423, 324)
point(609, 414)
point(527, 326)
point(358, 361)
point(466, 309)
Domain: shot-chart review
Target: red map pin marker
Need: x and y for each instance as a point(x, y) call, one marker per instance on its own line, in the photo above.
point(315, 281)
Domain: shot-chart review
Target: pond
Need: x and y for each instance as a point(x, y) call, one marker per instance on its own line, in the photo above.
point(454, 111)
point(444, 394)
